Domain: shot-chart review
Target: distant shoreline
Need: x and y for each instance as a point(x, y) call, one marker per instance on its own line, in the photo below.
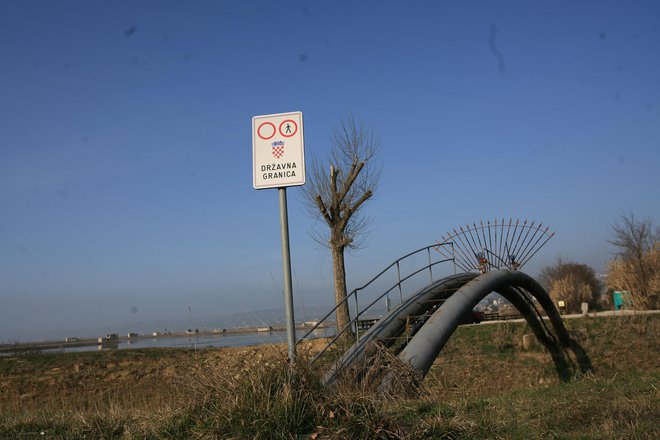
point(27, 347)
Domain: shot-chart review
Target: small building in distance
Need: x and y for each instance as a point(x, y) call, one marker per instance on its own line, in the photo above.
point(110, 341)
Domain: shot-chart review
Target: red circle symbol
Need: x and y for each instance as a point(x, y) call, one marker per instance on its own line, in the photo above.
point(290, 128)
point(263, 133)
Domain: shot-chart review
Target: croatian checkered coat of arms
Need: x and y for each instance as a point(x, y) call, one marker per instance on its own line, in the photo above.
point(278, 149)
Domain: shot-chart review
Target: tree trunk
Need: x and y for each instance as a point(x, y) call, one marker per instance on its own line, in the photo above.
point(339, 273)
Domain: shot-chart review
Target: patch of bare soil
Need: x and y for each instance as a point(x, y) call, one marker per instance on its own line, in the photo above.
point(143, 377)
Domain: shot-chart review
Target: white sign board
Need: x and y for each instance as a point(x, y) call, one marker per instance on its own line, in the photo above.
point(278, 150)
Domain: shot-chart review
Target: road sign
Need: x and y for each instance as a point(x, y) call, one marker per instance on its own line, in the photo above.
point(278, 151)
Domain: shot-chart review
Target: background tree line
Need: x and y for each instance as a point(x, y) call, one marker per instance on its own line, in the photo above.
point(635, 268)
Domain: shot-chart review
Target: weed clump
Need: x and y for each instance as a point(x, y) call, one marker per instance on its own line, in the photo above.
point(283, 401)
point(272, 401)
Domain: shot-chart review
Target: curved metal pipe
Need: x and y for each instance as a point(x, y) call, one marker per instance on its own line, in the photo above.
point(424, 347)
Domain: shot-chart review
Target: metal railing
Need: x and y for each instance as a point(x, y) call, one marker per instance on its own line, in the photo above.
point(354, 294)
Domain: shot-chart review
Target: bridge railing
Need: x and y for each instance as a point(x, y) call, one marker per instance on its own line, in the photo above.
point(354, 296)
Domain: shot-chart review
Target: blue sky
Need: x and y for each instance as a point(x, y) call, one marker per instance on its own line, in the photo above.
point(125, 141)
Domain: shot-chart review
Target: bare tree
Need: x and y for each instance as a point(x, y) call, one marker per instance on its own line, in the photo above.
point(636, 268)
point(336, 191)
point(573, 283)
point(634, 237)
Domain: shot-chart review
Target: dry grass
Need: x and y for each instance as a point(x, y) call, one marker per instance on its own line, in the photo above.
point(483, 385)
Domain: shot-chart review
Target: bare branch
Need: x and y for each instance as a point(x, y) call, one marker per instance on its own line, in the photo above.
point(323, 209)
point(633, 237)
point(350, 210)
point(351, 176)
point(333, 182)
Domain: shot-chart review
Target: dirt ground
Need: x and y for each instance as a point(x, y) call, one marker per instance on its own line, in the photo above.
point(81, 379)
point(477, 359)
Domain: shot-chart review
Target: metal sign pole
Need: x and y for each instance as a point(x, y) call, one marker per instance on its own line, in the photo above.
point(286, 269)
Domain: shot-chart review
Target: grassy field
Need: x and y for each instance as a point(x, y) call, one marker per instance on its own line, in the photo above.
point(483, 385)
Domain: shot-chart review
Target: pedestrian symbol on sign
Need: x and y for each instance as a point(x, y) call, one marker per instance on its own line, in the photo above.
point(288, 128)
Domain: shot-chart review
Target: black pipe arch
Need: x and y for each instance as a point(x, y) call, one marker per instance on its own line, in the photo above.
point(424, 347)
point(457, 295)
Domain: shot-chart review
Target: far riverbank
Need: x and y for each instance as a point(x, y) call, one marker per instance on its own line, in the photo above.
point(233, 337)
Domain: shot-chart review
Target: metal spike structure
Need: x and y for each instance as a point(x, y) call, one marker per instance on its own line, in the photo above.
point(495, 245)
